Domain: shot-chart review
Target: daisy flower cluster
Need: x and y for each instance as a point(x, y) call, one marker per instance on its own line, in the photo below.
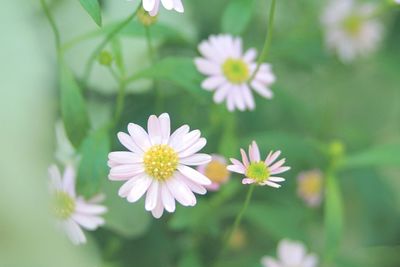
point(231, 72)
point(351, 30)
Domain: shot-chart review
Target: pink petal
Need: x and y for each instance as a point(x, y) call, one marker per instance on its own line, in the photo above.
point(167, 198)
point(165, 125)
point(272, 156)
point(139, 136)
point(245, 160)
point(196, 159)
point(248, 181)
point(154, 130)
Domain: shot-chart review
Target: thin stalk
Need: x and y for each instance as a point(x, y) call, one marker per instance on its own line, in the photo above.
point(236, 223)
point(120, 101)
point(53, 25)
point(109, 37)
point(268, 40)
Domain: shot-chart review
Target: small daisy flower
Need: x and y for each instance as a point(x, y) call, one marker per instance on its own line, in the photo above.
point(216, 171)
point(290, 254)
point(258, 171)
point(229, 71)
point(157, 163)
point(310, 187)
point(153, 6)
point(351, 30)
point(74, 212)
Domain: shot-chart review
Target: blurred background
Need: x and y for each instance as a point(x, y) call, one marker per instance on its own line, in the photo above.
point(321, 108)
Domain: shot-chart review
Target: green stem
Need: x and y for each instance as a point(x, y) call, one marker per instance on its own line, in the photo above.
point(236, 223)
point(53, 25)
point(153, 58)
point(268, 40)
point(100, 47)
point(120, 101)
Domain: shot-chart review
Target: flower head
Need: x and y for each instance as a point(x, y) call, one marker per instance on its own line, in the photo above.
point(310, 187)
point(230, 72)
point(216, 171)
point(157, 163)
point(153, 6)
point(291, 253)
point(258, 171)
point(73, 212)
point(351, 30)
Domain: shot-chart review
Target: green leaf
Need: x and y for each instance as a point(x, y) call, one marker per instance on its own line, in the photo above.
point(73, 108)
point(384, 155)
point(178, 70)
point(126, 219)
point(237, 16)
point(333, 217)
point(93, 8)
point(93, 164)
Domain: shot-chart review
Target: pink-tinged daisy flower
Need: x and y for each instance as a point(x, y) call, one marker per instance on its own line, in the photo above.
point(230, 71)
point(74, 212)
point(351, 30)
point(153, 6)
point(157, 163)
point(258, 171)
point(310, 187)
point(291, 253)
point(216, 171)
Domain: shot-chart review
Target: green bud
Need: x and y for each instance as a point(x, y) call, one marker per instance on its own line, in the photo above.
point(105, 58)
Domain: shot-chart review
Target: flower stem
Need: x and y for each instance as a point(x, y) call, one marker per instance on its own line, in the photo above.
point(268, 40)
point(53, 25)
point(153, 58)
point(120, 101)
point(236, 223)
point(100, 47)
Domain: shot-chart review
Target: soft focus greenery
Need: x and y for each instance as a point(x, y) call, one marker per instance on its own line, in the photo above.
point(319, 104)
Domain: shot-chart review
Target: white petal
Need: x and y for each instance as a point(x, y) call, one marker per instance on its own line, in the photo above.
point(196, 159)
point(159, 210)
point(280, 170)
point(250, 55)
point(213, 82)
point(69, 180)
point(90, 209)
point(154, 130)
point(152, 196)
point(127, 186)
point(148, 5)
point(248, 181)
point(124, 172)
point(55, 177)
point(167, 198)
point(194, 175)
point(310, 261)
point(187, 140)
point(272, 157)
point(181, 192)
point(207, 67)
point(139, 136)
point(178, 135)
point(168, 4)
point(139, 188)
point(276, 179)
point(165, 125)
point(222, 92)
point(254, 152)
point(178, 6)
point(248, 97)
point(88, 222)
point(195, 187)
point(155, 9)
point(74, 232)
point(127, 141)
point(269, 262)
point(262, 89)
point(236, 168)
point(123, 157)
point(290, 252)
point(272, 184)
point(193, 148)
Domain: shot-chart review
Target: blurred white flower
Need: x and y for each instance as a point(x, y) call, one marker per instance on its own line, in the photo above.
point(65, 152)
point(152, 6)
point(72, 211)
point(291, 254)
point(229, 71)
point(351, 30)
point(258, 171)
point(216, 171)
point(157, 164)
point(310, 187)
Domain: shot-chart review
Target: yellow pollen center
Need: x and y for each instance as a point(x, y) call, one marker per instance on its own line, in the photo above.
point(353, 24)
point(258, 171)
point(160, 162)
point(236, 70)
point(64, 205)
point(216, 171)
point(311, 185)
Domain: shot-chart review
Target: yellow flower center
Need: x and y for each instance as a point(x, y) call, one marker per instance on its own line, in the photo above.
point(353, 24)
point(236, 71)
point(311, 185)
point(216, 171)
point(160, 162)
point(64, 205)
point(258, 171)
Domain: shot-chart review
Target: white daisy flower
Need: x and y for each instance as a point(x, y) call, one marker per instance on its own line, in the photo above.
point(157, 163)
point(290, 254)
point(74, 212)
point(152, 6)
point(351, 30)
point(229, 71)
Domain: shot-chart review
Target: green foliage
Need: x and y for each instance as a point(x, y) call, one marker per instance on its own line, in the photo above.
point(383, 155)
point(237, 16)
point(92, 171)
point(92, 7)
point(73, 108)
